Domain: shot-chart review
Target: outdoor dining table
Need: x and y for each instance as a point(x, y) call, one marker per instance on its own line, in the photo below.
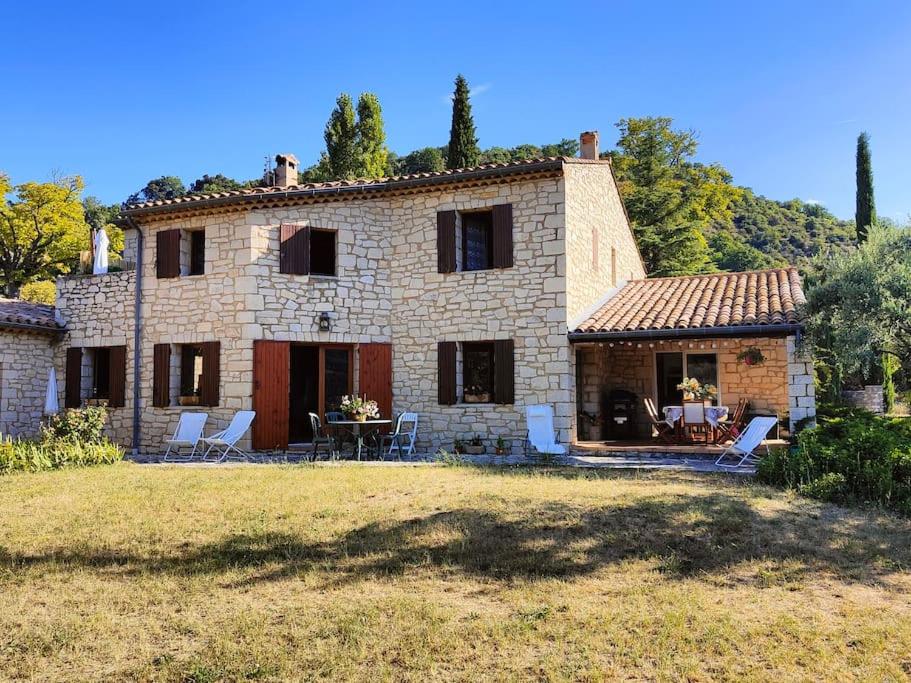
point(713, 415)
point(359, 430)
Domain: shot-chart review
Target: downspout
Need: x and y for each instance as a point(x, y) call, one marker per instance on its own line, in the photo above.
point(137, 334)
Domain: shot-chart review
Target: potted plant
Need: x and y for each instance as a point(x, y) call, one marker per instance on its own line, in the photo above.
point(458, 446)
point(474, 446)
point(189, 399)
point(694, 390)
point(475, 394)
point(501, 447)
point(359, 409)
point(751, 356)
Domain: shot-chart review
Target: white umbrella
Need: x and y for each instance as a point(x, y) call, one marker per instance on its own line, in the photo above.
point(100, 265)
point(51, 405)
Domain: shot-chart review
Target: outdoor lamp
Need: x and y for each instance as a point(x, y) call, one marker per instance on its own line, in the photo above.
point(325, 322)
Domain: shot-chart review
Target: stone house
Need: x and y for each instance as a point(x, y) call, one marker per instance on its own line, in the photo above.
point(462, 295)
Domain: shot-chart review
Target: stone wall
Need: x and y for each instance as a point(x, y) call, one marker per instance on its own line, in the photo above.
point(25, 360)
point(869, 398)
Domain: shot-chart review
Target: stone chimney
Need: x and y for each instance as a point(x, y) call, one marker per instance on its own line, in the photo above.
point(285, 170)
point(588, 144)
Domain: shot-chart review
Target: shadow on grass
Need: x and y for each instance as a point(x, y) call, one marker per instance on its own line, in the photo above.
point(684, 536)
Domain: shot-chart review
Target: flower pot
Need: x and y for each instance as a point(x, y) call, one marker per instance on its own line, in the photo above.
point(502, 451)
point(360, 418)
point(188, 400)
point(96, 402)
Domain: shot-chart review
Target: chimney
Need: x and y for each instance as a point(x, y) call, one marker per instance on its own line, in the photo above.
point(285, 170)
point(588, 145)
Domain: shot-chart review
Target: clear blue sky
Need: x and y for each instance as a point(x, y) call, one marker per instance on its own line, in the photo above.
point(778, 91)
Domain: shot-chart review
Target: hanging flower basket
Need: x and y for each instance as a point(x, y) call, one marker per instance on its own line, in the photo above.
point(751, 356)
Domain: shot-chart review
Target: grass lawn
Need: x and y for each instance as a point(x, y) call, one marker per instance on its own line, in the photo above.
point(276, 573)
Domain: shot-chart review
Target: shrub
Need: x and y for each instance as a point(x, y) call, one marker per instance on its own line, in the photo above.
point(39, 292)
point(78, 424)
point(35, 456)
point(851, 457)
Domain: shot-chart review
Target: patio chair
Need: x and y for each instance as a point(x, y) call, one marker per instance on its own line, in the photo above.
point(322, 438)
point(730, 429)
point(402, 435)
point(225, 441)
point(750, 439)
point(334, 416)
point(187, 435)
point(694, 421)
point(663, 429)
point(541, 435)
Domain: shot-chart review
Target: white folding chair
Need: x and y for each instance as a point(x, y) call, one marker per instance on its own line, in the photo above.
point(750, 439)
point(541, 434)
point(403, 436)
point(188, 434)
point(224, 442)
point(694, 419)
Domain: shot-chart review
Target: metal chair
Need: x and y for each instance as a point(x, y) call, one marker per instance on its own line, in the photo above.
point(322, 438)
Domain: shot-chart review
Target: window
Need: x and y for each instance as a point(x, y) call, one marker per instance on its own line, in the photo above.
point(477, 240)
point(197, 241)
point(100, 369)
point(322, 252)
point(671, 368)
point(190, 369)
point(477, 372)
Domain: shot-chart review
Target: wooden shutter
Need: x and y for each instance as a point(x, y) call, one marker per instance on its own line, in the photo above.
point(72, 398)
point(502, 236)
point(375, 375)
point(446, 363)
point(446, 241)
point(167, 260)
point(271, 394)
point(294, 249)
point(161, 375)
point(118, 377)
point(504, 371)
point(211, 373)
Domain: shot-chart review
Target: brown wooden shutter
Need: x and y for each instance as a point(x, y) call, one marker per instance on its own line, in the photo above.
point(375, 375)
point(294, 249)
point(167, 260)
point(446, 363)
point(504, 371)
point(271, 393)
point(72, 394)
point(161, 375)
point(446, 241)
point(118, 377)
point(502, 236)
point(211, 374)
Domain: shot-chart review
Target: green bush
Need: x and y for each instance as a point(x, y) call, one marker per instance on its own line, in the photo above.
point(77, 424)
point(34, 456)
point(851, 457)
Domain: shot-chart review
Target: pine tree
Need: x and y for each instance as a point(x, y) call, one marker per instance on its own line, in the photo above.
point(865, 215)
point(341, 140)
point(463, 143)
point(371, 138)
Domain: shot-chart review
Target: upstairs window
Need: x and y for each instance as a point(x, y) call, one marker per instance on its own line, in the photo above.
point(180, 253)
point(197, 257)
point(477, 240)
point(307, 251)
point(322, 252)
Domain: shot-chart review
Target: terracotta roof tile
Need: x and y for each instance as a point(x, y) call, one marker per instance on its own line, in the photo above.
point(24, 314)
point(761, 297)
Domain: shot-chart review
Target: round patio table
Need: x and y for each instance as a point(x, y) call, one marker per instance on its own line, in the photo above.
point(358, 430)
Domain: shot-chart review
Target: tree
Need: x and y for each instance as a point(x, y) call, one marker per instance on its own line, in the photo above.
point(463, 142)
point(341, 141)
point(424, 160)
point(39, 292)
point(165, 187)
point(734, 255)
point(97, 216)
point(859, 304)
point(215, 183)
point(669, 197)
point(371, 138)
point(42, 229)
point(865, 213)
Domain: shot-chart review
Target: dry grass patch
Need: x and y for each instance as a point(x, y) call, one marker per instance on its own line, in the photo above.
point(277, 573)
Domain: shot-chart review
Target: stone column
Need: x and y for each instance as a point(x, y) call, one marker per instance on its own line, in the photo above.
point(801, 385)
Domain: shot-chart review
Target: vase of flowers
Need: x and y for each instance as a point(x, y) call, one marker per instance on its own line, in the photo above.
point(359, 409)
point(694, 390)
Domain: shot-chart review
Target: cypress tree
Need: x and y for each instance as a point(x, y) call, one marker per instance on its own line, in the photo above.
point(341, 140)
point(463, 143)
point(865, 214)
point(371, 137)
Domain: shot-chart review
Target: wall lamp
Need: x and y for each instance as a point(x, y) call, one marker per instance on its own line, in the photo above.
point(325, 322)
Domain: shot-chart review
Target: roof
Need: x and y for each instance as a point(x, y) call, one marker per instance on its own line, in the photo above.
point(361, 186)
point(24, 315)
point(723, 301)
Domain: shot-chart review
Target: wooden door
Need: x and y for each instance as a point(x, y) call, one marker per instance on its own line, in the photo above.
point(271, 389)
point(375, 375)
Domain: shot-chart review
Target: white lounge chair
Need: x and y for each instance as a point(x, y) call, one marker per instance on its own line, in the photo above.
point(404, 436)
point(188, 435)
point(745, 445)
point(541, 434)
point(225, 442)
